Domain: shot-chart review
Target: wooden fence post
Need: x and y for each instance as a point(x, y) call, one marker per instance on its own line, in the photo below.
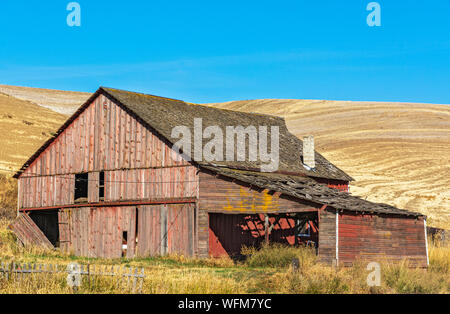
point(19, 272)
point(89, 275)
point(142, 280)
point(13, 268)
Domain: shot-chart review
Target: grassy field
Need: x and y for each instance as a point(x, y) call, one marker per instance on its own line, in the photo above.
point(264, 271)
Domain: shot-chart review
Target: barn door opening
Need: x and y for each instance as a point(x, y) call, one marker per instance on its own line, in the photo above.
point(228, 233)
point(47, 221)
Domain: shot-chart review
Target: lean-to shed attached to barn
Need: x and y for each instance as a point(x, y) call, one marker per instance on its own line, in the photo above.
point(110, 184)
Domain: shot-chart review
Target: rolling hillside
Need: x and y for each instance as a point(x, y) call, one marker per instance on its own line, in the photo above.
point(24, 127)
point(398, 153)
point(59, 101)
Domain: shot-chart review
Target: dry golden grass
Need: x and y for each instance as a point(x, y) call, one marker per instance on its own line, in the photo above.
point(24, 127)
point(398, 153)
point(265, 271)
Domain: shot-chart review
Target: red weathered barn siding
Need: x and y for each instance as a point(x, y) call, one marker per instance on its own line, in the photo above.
point(166, 229)
point(152, 229)
point(327, 236)
point(229, 233)
point(120, 185)
point(93, 143)
point(103, 137)
point(176, 182)
point(139, 167)
point(98, 232)
point(381, 237)
point(228, 196)
point(180, 229)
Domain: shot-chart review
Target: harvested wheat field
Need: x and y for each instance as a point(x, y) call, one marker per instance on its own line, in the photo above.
point(24, 127)
point(59, 101)
point(398, 153)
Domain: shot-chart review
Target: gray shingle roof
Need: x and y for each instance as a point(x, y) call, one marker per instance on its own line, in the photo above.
point(164, 114)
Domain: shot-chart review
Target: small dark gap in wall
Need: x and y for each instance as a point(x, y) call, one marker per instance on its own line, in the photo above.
point(124, 243)
point(101, 187)
point(136, 237)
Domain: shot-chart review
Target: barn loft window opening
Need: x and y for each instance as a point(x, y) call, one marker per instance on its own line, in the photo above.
point(101, 186)
point(81, 187)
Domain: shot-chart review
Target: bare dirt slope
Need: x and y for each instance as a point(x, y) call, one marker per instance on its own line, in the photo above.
point(398, 153)
point(60, 101)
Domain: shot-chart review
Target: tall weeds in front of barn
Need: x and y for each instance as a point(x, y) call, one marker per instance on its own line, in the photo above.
point(267, 270)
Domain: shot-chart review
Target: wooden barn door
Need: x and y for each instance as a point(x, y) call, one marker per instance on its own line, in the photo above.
point(165, 229)
point(150, 228)
point(180, 229)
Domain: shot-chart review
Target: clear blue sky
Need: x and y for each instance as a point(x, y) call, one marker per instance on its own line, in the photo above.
point(211, 51)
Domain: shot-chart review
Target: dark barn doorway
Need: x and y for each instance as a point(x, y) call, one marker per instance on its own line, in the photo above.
point(228, 233)
point(47, 221)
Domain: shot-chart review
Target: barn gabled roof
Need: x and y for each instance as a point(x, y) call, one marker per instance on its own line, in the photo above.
point(163, 114)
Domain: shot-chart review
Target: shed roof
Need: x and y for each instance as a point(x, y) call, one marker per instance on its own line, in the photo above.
point(307, 189)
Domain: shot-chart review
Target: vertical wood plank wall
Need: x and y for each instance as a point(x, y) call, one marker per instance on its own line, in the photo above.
point(138, 166)
point(224, 195)
point(327, 236)
point(98, 232)
point(106, 138)
point(377, 238)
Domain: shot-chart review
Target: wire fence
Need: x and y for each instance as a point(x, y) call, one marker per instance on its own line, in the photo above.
point(126, 279)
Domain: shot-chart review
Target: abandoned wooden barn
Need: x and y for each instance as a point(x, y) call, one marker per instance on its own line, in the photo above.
point(109, 184)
